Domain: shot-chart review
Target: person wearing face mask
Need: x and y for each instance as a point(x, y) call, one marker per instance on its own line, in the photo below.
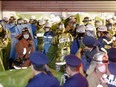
point(48, 35)
point(60, 46)
point(100, 69)
point(23, 49)
point(40, 34)
point(103, 34)
point(80, 33)
point(75, 79)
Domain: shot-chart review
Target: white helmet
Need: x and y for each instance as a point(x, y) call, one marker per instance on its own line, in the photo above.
point(90, 27)
point(98, 57)
point(102, 28)
point(26, 19)
point(32, 17)
point(41, 22)
point(81, 29)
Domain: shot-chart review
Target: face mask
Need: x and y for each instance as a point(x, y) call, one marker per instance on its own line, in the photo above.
point(102, 68)
point(109, 27)
point(20, 22)
point(99, 34)
point(26, 36)
point(46, 29)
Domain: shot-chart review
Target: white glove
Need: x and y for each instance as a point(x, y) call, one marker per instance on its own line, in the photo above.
point(24, 51)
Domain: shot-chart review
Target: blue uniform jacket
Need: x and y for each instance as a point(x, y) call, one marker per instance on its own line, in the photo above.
point(43, 80)
point(75, 46)
point(76, 81)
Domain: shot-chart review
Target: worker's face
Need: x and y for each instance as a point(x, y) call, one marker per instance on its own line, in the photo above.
point(102, 67)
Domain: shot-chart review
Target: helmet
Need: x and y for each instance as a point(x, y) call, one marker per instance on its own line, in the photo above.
point(86, 19)
point(41, 22)
point(90, 27)
point(102, 28)
point(81, 29)
point(100, 57)
point(26, 19)
point(5, 18)
point(98, 23)
point(32, 17)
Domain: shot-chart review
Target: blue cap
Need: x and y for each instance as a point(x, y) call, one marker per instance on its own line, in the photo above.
point(112, 53)
point(38, 58)
point(72, 60)
point(89, 41)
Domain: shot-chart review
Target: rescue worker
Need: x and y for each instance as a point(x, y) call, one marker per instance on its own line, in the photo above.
point(48, 35)
point(25, 21)
point(40, 34)
point(103, 34)
point(87, 51)
point(73, 64)
point(99, 71)
point(80, 33)
point(23, 49)
point(42, 76)
point(60, 47)
point(112, 65)
point(4, 50)
point(71, 25)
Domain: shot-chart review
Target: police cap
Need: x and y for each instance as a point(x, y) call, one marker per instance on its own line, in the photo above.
point(89, 41)
point(38, 58)
point(86, 19)
point(72, 60)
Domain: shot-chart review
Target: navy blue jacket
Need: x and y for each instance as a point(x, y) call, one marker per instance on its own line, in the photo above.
point(76, 81)
point(43, 80)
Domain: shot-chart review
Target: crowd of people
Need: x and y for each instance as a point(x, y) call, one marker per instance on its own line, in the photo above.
point(85, 53)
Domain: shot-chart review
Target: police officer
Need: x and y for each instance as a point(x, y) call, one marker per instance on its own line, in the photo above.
point(48, 35)
point(112, 63)
point(42, 77)
point(73, 64)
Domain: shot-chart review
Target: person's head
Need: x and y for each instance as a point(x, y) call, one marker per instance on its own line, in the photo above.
point(12, 19)
point(98, 23)
point(109, 26)
point(25, 33)
point(112, 54)
point(86, 20)
point(19, 21)
point(73, 64)
point(38, 60)
point(89, 41)
point(5, 19)
point(60, 27)
point(81, 30)
point(102, 31)
point(101, 61)
point(26, 21)
point(47, 27)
